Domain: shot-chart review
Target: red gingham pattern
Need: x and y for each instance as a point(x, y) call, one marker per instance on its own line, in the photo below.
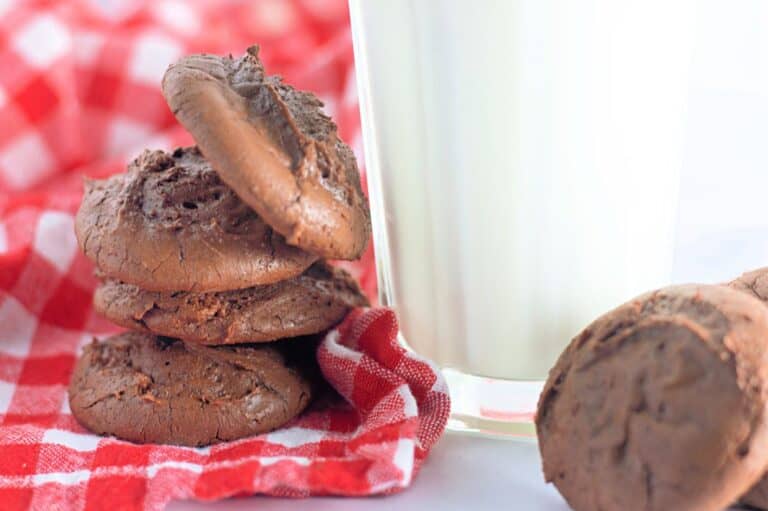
point(79, 95)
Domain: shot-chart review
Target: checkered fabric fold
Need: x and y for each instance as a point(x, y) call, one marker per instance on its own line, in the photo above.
point(79, 94)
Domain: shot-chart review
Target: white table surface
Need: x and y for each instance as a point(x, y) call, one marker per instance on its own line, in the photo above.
point(462, 473)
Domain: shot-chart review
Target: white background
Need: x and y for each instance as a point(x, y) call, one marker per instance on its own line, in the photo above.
point(723, 210)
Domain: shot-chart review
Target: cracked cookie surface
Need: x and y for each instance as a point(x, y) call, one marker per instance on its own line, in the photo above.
point(149, 389)
point(755, 283)
point(660, 404)
point(312, 302)
point(170, 224)
point(276, 148)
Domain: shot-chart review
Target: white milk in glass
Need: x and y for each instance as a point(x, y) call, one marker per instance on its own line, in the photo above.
point(523, 160)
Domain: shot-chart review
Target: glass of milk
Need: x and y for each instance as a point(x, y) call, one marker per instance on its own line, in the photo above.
point(523, 162)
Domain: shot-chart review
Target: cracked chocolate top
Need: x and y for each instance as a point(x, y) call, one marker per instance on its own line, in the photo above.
point(180, 189)
point(310, 303)
point(660, 404)
point(754, 282)
point(170, 224)
point(276, 148)
point(156, 390)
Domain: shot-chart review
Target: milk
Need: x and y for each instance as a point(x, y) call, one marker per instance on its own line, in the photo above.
point(523, 164)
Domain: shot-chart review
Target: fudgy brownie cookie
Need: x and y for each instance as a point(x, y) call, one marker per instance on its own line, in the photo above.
point(660, 404)
point(170, 224)
point(274, 146)
point(757, 496)
point(314, 301)
point(756, 284)
point(150, 389)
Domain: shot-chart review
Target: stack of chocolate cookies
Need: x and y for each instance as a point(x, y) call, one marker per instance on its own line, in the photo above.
point(214, 257)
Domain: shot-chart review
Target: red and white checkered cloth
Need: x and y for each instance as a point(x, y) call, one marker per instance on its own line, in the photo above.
point(79, 94)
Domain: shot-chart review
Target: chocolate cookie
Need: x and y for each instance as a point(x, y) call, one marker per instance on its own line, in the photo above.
point(150, 389)
point(274, 146)
point(170, 224)
point(756, 284)
point(314, 301)
point(757, 496)
point(660, 404)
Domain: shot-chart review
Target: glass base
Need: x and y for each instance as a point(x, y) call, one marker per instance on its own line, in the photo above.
point(492, 407)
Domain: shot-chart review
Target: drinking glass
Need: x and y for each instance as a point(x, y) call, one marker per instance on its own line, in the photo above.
point(523, 162)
